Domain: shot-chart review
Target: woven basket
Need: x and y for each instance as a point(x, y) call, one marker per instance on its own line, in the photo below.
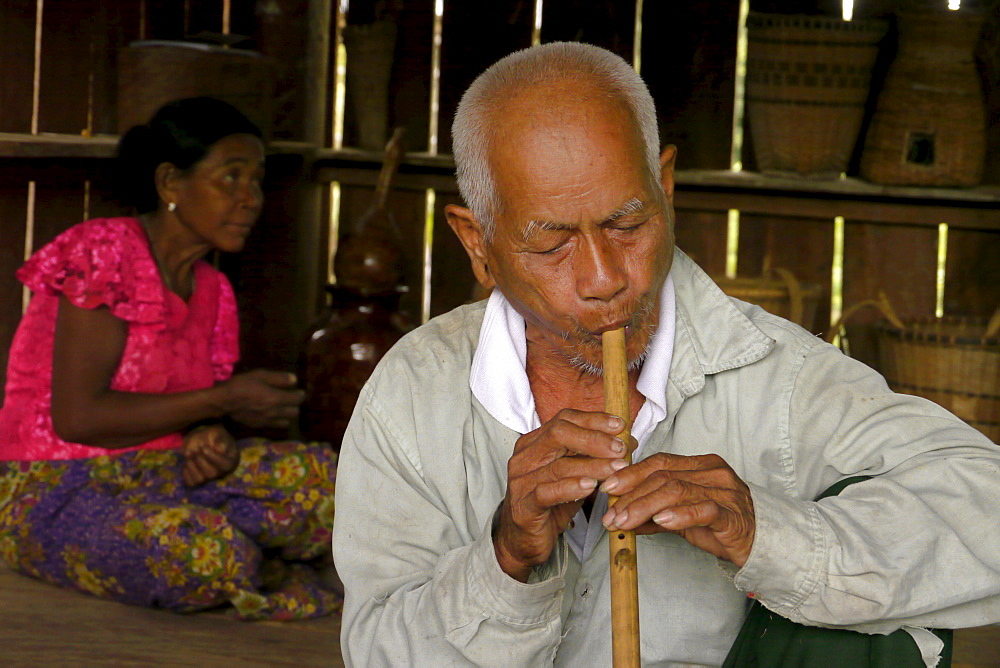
point(950, 361)
point(783, 296)
point(807, 83)
point(954, 362)
point(152, 73)
point(929, 127)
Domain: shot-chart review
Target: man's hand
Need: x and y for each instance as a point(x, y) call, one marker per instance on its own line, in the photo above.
point(699, 498)
point(553, 469)
point(209, 453)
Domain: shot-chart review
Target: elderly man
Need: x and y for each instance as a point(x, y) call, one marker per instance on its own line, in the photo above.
point(471, 499)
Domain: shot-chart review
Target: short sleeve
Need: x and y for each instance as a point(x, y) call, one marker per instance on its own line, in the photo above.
point(100, 262)
point(226, 334)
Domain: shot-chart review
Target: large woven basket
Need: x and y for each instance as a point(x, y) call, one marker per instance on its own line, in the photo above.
point(152, 73)
point(783, 295)
point(954, 362)
point(950, 361)
point(929, 127)
point(808, 79)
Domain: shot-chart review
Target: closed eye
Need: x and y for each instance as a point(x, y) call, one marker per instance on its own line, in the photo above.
point(627, 225)
point(550, 251)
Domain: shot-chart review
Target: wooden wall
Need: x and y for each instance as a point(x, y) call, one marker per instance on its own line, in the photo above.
point(688, 55)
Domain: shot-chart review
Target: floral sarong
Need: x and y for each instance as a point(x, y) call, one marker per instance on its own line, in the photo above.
point(124, 527)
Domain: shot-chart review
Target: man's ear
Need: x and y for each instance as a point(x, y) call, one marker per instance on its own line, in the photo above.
point(667, 158)
point(470, 233)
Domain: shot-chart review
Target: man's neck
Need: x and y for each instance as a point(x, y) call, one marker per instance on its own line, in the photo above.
point(557, 384)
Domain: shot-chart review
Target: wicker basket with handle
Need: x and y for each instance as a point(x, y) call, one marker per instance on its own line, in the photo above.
point(784, 295)
point(954, 362)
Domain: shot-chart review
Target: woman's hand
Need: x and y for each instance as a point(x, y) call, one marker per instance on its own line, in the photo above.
point(263, 398)
point(209, 453)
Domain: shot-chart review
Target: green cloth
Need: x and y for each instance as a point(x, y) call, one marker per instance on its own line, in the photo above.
point(768, 640)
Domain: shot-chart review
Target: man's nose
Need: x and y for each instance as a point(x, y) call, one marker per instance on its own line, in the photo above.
point(599, 268)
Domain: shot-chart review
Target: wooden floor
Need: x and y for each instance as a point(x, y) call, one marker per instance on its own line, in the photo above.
point(42, 625)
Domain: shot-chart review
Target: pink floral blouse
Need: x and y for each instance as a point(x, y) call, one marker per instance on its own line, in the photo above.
point(172, 346)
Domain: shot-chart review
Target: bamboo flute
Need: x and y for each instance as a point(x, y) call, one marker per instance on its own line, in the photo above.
point(624, 571)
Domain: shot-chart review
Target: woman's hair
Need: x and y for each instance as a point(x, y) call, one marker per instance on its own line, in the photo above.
point(180, 133)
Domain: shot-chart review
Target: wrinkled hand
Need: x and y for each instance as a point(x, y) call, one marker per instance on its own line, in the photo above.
point(209, 453)
point(699, 498)
point(553, 469)
point(263, 398)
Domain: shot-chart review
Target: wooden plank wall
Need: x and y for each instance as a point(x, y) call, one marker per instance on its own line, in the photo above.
point(688, 60)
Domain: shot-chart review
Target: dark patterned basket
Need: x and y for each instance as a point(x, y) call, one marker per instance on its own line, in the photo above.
point(808, 80)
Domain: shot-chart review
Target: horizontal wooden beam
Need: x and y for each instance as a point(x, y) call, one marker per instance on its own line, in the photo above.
point(702, 190)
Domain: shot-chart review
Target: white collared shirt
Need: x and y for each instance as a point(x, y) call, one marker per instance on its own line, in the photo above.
point(500, 383)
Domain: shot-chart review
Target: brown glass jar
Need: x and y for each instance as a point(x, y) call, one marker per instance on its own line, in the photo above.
point(338, 355)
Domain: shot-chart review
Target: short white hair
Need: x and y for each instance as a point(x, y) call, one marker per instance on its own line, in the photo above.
point(472, 130)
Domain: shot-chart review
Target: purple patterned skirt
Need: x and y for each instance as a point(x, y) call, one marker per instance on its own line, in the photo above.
point(124, 527)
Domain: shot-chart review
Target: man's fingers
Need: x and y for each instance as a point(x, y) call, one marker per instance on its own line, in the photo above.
point(704, 470)
point(548, 495)
point(579, 467)
point(568, 437)
point(595, 420)
point(652, 496)
point(659, 496)
point(702, 514)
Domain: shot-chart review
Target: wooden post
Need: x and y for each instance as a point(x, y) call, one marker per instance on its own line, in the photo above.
point(624, 570)
point(310, 262)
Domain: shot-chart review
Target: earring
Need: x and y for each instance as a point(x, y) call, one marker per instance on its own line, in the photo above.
point(172, 206)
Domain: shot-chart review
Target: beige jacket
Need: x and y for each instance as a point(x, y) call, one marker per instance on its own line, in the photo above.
point(423, 469)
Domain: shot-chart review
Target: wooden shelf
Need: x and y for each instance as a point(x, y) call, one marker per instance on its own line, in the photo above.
point(848, 187)
point(705, 190)
point(15, 145)
point(854, 199)
point(50, 145)
point(721, 190)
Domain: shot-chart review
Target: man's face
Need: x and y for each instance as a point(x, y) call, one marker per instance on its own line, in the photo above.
point(584, 238)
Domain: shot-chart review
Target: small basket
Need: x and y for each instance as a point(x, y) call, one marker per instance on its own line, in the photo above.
point(783, 296)
point(954, 362)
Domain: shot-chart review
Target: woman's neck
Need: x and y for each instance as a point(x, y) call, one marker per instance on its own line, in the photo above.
point(173, 253)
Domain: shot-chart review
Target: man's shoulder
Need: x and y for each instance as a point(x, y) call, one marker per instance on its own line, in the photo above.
point(722, 317)
point(440, 348)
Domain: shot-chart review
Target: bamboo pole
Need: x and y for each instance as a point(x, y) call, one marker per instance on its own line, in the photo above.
point(624, 571)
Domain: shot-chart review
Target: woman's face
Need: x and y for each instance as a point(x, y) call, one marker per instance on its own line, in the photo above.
point(219, 199)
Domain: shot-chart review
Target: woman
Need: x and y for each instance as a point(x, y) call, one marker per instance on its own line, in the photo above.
point(117, 476)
